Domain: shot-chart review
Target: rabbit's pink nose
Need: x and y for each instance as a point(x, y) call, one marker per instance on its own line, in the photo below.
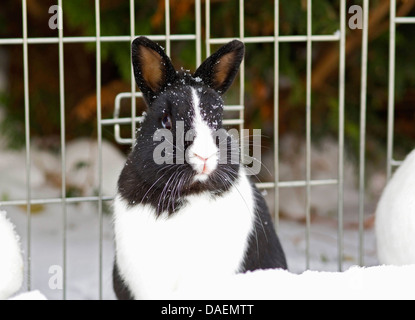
point(205, 168)
point(200, 157)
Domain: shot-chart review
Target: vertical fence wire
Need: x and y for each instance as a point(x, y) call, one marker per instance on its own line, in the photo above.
point(63, 148)
point(276, 113)
point(308, 132)
point(133, 97)
point(198, 19)
point(242, 81)
point(99, 141)
point(207, 27)
point(342, 70)
point(167, 20)
point(391, 89)
point(27, 144)
point(363, 93)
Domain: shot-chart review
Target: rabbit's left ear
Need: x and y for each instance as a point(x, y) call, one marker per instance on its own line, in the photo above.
point(153, 70)
point(220, 69)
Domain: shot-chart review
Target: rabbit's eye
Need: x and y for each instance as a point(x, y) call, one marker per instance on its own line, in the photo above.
point(166, 121)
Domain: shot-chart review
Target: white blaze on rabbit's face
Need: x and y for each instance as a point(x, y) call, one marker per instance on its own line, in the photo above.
point(203, 153)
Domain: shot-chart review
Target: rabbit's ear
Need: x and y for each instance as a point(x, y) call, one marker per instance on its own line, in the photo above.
point(153, 70)
point(220, 69)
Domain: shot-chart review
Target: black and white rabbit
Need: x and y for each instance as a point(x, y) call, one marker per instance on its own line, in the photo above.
point(177, 223)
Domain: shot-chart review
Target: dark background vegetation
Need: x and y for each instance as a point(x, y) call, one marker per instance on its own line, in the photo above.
point(80, 68)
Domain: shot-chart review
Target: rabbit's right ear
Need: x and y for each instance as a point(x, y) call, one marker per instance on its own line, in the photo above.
point(153, 70)
point(220, 69)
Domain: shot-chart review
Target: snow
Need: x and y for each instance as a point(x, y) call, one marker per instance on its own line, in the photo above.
point(379, 282)
point(30, 295)
point(82, 257)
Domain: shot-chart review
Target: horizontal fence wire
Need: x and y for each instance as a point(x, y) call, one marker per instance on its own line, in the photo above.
point(181, 37)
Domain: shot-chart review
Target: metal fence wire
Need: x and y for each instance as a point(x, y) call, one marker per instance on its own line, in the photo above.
point(197, 38)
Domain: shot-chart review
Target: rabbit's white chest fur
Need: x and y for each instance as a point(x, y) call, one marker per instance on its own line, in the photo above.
point(206, 238)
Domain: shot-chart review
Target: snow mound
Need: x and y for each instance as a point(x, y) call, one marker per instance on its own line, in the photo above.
point(395, 217)
point(11, 261)
point(378, 283)
point(31, 295)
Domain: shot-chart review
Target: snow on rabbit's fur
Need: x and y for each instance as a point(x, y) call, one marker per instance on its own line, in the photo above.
point(11, 261)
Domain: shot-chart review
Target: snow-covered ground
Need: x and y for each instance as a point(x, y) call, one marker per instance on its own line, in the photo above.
point(385, 282)
point(82, 253)
point(83, 225)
